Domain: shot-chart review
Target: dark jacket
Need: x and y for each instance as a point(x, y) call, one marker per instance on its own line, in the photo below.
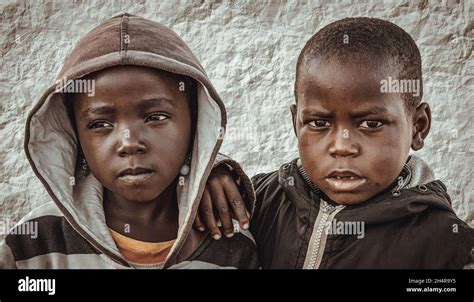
point(411, 225)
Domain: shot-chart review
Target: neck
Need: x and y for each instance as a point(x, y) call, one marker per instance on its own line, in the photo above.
point(153, 221)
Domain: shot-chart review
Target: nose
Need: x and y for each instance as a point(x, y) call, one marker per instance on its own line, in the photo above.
point(344, 144)
point(131, 143)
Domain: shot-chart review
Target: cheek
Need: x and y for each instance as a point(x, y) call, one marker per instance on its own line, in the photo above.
point(311, 151)
point(98, 156)
point(170, 148)
point(383, 169)
point(170, 144)
point(385, 157)
point(313, 143)
point(93, 148)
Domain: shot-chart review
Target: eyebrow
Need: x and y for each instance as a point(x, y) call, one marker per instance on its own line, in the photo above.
point(316, 112)
point(98, 110)
point(155, 102)
point(142, 107)
point(376, 110)
point(371, 111)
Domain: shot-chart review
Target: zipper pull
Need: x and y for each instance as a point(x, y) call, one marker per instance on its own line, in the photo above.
point(326, 207)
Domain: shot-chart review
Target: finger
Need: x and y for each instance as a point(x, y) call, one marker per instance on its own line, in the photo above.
point(221, 207)
point(198, 224)
point(208, 216)
point(236, 201)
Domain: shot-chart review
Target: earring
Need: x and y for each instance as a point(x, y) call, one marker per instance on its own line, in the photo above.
point(186, 166)
point(85, 167)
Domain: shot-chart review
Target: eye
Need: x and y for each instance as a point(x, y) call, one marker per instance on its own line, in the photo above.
point(371, 124)
point(319, 123)
point(156, 117)
point(99, 124)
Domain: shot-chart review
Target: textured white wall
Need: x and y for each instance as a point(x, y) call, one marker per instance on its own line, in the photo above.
point(249, 49)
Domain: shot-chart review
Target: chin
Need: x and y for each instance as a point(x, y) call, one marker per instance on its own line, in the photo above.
point(347, 198)
point(139, 195)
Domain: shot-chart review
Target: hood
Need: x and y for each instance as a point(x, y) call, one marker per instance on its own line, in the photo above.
point(414, 191)
point(51, 144)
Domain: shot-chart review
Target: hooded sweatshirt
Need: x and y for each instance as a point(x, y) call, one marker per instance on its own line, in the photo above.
point(411, 225)
point(71, 229)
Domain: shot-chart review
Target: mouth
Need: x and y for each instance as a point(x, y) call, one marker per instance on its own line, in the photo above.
point(136, 176)
point(345, 180)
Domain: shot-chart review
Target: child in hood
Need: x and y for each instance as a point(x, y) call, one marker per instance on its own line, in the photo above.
point(124, 143)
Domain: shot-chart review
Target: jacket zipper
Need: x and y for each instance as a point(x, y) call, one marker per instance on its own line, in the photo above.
point(318, 239)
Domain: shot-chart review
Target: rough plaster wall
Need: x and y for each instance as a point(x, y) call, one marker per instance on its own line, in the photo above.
point(249, 49)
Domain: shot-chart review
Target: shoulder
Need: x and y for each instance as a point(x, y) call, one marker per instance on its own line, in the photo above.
point(43, 231)
point(262, 180)
point(270, 181)
point(449, 225)
point(271, 187)
point(46, 209)
point(46, 217)
point(442, 231)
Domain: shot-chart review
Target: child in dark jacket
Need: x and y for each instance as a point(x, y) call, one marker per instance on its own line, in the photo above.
point(355, 198)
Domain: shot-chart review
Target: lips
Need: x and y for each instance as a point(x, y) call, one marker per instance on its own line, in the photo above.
point(136, 176)
point(135, 171)
point(345, 180)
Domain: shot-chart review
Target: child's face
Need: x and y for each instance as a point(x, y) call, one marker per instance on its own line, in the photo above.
point(137, 119)
point(353, 140)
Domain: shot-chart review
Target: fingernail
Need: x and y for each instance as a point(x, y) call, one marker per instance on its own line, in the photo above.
point(202, 229)
point(216, 236)
point(219, 223)
point(230, 235)
point(245, 226)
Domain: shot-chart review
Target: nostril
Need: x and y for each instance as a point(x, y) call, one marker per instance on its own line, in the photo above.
point(129, 149)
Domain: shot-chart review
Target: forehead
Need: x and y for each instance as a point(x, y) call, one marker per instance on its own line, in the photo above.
point(346, 85)
point(128, 86)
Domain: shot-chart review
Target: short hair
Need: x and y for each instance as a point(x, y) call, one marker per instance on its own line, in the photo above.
point(370, 38)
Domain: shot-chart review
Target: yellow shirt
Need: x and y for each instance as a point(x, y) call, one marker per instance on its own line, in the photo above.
point(142, 252)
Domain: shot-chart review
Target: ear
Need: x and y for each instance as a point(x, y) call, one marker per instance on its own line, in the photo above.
point(294, 111)
point(421, 125)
